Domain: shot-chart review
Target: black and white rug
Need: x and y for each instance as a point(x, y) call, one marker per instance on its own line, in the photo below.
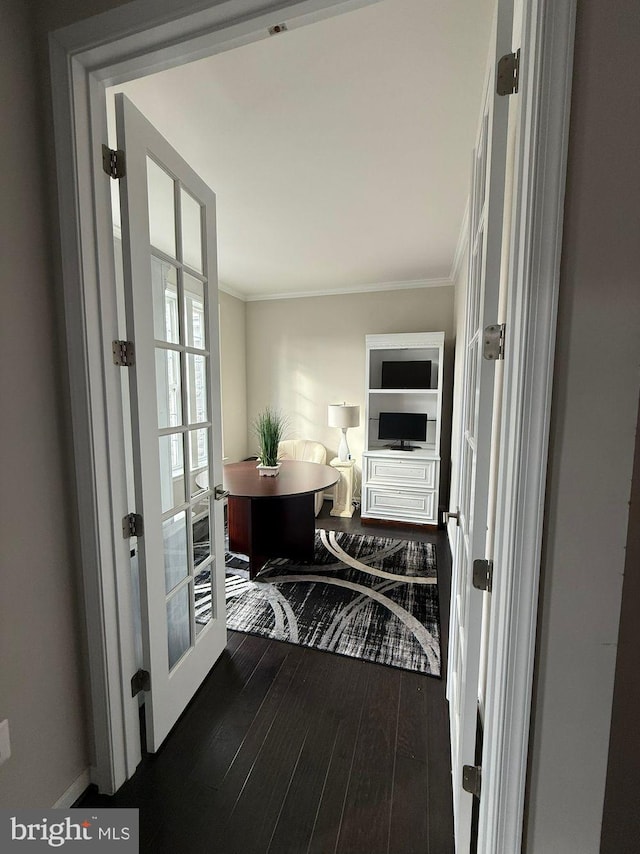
point(363, 596)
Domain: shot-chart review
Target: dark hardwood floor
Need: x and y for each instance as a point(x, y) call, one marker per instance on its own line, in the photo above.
point(289, 750)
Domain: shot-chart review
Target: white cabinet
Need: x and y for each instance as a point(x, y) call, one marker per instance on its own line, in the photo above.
point(398, 470)
point(401, 461)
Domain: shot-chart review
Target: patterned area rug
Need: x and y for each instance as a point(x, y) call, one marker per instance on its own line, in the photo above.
point(365, 597)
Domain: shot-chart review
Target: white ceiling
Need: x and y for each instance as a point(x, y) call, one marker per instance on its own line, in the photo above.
point(339, 152)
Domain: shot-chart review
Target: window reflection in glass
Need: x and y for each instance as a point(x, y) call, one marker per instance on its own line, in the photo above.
point(197, 388)
point(194, 312)
point(199, 444)
point(164, 294)
point(171, 471)
point(168, 387)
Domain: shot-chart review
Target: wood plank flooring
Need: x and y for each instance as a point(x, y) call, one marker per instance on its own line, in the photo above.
point(288, 750)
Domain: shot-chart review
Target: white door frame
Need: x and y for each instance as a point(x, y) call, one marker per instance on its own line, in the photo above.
point(143, 37)
point(534, 274)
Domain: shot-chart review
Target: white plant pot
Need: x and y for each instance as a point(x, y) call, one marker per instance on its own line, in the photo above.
point(268, 471)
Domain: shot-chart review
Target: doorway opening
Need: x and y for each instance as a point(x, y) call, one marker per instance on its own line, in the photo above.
point(133, 44)
point(304, 164)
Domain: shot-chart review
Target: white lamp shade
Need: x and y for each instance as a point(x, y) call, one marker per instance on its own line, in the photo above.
point(344, 415)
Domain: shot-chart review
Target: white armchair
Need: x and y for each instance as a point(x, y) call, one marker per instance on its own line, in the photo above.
point(307, 451)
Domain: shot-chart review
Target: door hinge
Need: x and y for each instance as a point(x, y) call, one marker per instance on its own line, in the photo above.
point(472, 779)
point(482, 574)
point(508, 73)
point(132, 526)
point(124, 353)
point(113, 162)
point(493, 342)
point(140, 681)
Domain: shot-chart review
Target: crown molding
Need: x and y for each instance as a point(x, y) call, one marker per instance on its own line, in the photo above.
point(356, 289)
point(222, 286)
point(414, 284)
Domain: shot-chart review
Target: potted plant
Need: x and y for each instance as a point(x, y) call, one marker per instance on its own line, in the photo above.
point(268, 427)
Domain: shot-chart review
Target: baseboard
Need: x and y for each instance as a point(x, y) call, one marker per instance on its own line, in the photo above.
point(74, 791)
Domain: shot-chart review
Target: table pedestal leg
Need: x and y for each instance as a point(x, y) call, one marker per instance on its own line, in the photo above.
point(263, 528)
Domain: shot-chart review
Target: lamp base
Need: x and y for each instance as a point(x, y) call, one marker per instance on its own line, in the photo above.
point(344, 454)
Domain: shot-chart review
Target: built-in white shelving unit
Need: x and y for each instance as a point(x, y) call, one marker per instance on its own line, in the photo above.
point(403, 485)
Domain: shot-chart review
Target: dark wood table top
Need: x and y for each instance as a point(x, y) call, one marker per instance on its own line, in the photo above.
point(242, 480)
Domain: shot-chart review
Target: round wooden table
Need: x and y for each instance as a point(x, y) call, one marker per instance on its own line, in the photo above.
point(274, 516)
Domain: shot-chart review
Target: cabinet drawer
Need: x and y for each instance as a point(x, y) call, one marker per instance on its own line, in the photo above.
point(400, 504)
point(402, 472)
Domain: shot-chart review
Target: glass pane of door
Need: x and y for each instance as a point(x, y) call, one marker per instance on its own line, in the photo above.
point(172, 486)
point(199, 458)
point(197, 388)
point(204, 598)
point(162, 217)
point(191, 231)
point(164, 282)
point(201, 539)
point(178, 625)
point(168, 387)
point(176, 562)
point(194, 309)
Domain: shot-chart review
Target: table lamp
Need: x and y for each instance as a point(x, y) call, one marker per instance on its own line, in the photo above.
point(344, 415)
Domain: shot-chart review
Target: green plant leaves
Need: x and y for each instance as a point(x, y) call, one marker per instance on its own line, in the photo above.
point(268, 426)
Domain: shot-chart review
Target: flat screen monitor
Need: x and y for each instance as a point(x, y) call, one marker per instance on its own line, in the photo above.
point(406, 374)
point(403, 427)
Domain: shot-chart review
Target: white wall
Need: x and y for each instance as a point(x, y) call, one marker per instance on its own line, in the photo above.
point(233, 366)
point(592, 439)
point(303, 354)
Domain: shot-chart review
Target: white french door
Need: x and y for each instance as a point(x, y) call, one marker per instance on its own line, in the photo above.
point(476, 440)
point(170, 280)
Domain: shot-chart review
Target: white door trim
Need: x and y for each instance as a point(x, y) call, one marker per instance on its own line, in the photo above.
point(146, 36)
point(90, 314)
